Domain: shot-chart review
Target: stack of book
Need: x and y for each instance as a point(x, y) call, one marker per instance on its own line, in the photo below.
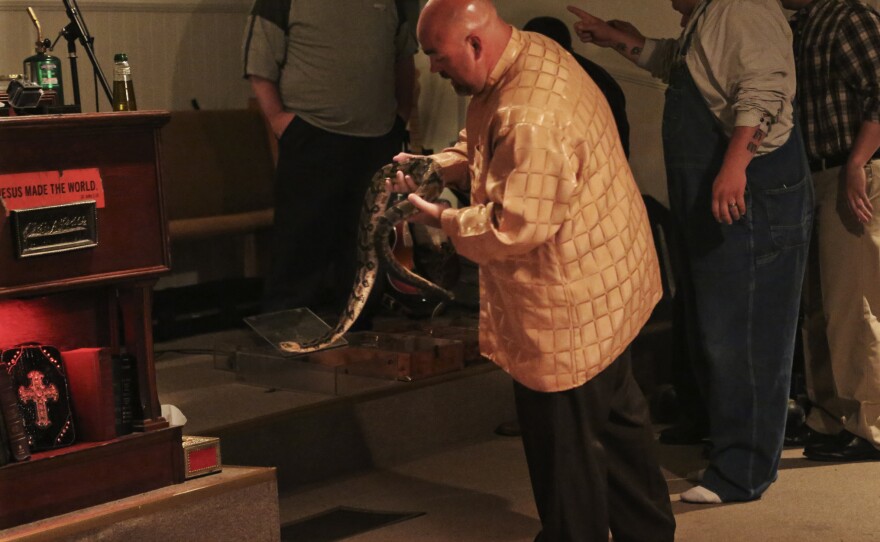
point(102, 393)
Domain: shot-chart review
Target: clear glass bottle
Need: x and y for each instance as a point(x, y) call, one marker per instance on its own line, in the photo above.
point(123, 86)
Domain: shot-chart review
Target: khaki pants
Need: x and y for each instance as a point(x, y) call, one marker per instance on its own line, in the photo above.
point(841, 307)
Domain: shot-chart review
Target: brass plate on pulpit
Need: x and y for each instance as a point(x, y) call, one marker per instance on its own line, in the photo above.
point(55, 228)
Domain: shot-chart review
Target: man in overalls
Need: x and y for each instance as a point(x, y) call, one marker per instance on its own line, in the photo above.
point(740, 187)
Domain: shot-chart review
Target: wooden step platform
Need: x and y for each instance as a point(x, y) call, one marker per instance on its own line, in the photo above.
point(239, 503)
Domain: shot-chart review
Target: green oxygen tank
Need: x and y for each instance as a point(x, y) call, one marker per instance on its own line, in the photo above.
point(43, 68)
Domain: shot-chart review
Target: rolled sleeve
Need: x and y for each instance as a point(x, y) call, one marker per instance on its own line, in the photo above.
point(755, 46)
point(748, 116)
point(657, 57)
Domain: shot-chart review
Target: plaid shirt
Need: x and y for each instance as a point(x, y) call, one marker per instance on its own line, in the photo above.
point(837, 49)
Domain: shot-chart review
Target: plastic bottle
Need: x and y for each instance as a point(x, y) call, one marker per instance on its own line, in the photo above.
point(123, 86)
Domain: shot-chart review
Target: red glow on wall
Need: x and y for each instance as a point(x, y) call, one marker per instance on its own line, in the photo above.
point(65, 321)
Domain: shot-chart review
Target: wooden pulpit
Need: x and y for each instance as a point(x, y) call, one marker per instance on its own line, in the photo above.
point(78, 260)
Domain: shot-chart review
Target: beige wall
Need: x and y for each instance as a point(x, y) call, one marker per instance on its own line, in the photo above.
point(184, 50)
point(179, 50)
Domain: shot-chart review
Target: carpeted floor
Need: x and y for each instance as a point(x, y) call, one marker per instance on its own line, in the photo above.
point(340, 523)
point(479, 492)
point(431, 448)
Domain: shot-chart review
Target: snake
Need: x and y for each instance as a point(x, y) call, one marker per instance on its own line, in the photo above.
point(377, 220)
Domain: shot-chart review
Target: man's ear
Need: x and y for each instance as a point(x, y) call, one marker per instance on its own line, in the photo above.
point(476, 45)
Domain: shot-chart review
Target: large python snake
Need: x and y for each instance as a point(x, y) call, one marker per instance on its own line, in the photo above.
point(376, 224)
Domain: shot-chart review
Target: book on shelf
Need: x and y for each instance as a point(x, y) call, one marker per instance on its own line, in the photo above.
point(124, 393)
point(90, 378)
point(5, 454)
point(39, 387)
point(102, 389)
point(13, 421)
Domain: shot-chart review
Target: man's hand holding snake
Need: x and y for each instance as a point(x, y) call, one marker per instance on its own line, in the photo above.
point(429, 213)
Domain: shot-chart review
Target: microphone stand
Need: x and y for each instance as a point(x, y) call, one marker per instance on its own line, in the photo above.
point(76, 30)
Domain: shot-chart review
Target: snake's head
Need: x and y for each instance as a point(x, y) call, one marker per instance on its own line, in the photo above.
point(419, 168)
point(388, 170)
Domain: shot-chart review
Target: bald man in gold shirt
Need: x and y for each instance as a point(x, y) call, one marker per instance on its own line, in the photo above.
point(568, 271)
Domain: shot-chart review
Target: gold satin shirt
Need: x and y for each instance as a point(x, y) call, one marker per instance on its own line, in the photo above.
point(568, 271)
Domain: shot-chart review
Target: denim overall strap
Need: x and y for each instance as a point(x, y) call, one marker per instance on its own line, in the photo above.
point(741, 286)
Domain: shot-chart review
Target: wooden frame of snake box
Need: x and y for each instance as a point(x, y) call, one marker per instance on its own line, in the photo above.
point(394, 356)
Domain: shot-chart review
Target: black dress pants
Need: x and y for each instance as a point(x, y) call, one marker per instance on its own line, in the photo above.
point(320, 183)
point(592, 461)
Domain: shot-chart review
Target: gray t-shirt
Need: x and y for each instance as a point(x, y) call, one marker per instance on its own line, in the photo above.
point(333, 60)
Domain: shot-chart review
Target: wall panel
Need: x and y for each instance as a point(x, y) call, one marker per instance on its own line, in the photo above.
point(181, 51)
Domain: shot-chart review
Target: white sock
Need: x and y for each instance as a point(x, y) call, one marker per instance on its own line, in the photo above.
point(700, 495)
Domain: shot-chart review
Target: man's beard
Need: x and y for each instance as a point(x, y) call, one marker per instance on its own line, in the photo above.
point(462, 90)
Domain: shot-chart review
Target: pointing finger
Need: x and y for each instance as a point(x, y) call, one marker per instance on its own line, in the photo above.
point(580, 13)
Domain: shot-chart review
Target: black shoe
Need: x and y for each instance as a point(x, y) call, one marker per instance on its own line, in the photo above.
point(804, 436)
point(682, 434)
point(509, 429)
point(847, 447)
point(796, 419)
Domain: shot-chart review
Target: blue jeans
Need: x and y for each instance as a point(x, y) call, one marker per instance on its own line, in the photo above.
point(741, 289)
